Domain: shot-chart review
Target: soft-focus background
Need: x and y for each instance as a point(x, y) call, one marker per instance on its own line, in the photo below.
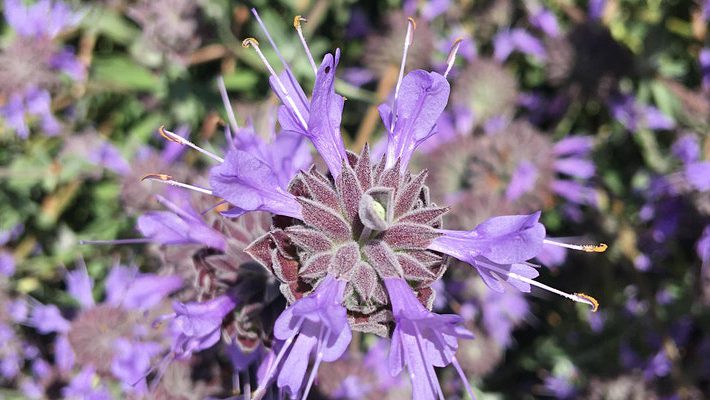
point(596, 113)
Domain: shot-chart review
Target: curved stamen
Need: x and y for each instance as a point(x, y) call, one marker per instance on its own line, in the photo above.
point(227, 103)
point(260, 392)
point(577, 297)
point(253, 43)
point(324, 332)
point(181, 140)
point(271, 40)
point(297, 21)
point(587, 248)
point(168, 180)
point(408, 40)
point(451, 58)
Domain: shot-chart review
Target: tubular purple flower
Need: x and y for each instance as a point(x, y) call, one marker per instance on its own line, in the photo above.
point(181, 225)
point(80, 285)
point(45, 18)
point(250, 184)
point(422, 98)
point(317, 322)
point(326, 111)
point(198, 324)
point(47, 319)
point(422, 340)
point(508, 41)
point(130, 289)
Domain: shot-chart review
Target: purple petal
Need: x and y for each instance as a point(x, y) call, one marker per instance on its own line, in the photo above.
point(252, 185)
point(687, 149)
point(326, 112)
point(575, 192)
point(47, 319)
point(577, 167)
point(147, 290)
point(14, 114)
point(698, 174)
point(422, 98)
point(7, 264)
point(296, 363)
point(574, 146)
point(522, 181)
point(503, 240)
point(546, 21)
point(64, 356)
point(67, 62)
point(79, 286)
point(181, 225)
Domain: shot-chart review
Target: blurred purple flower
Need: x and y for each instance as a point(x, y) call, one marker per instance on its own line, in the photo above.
point(704, 59)
point(686, 149)
point(698, 175)
point(517, 39)
point(82, 387)
point(7, 264)
point(45, 18)
point(198, 325)
point(131, 363)
point(180, 225)
point(635, 116)
point(546, 21)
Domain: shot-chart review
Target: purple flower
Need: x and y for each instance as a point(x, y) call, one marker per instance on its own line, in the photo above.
point(698, 174)
point(317, 322)
point(421, 340)
point(518, 39)
point(131, 363)
point(82, 387)
point(635, 116)
point(326, 111)
point(500, 245)
point(703, 246)
point(7, 264)
point(546, 21)
point(79, 286)
point(48, 319)
point(198, 324)
point(128, 288)
point(422, 98)
point(45, 18)
point(686, 149)
point(180, 225)
point(704, 59)
point(250, 184)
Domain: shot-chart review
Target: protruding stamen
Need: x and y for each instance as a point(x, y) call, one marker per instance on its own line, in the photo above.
point(260, 392)
point(168, 180)
point(577, 297)
point(227, 104)
point(451, 58)
point(253, 43)
point(587, 248)
point(297, 20)
point(592, 301)
point(319, 357)
point(408, 40)
point(271, 40)
point(115, 241)
point(462, 375)
point(181, 140)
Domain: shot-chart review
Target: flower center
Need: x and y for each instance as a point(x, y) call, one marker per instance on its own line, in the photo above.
point(368, 224)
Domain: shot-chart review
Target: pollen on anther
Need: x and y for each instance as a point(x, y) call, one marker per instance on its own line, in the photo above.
point(162, 177)
point(592, 248)
point(164, 134)
point(592, 300)
point(414, 23)
point(250, 42)
point(297, 20)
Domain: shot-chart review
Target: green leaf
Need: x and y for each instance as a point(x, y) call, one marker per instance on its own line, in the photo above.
point(120, 73)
